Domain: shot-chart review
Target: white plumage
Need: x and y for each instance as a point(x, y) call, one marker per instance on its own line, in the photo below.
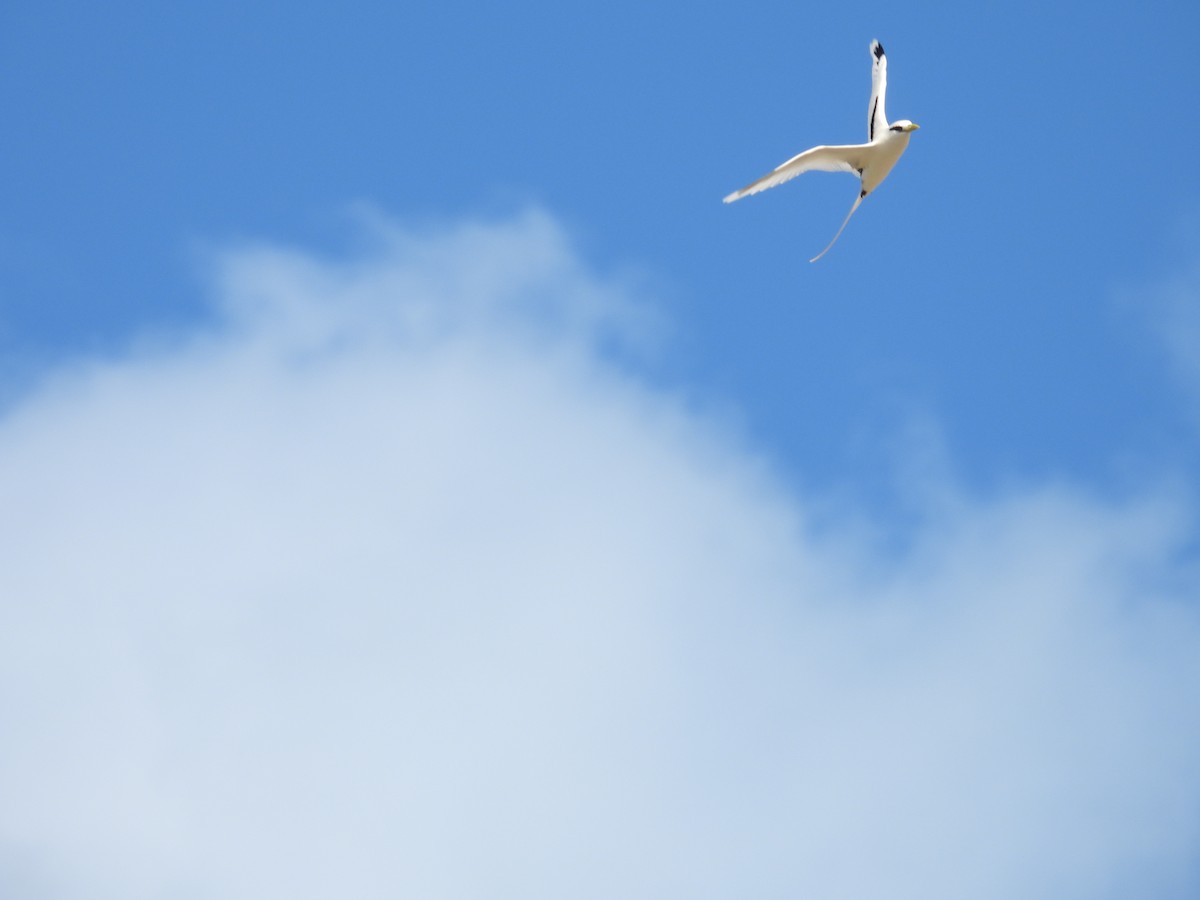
point(871, 161)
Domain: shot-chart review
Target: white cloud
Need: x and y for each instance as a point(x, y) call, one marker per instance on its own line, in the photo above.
point(395, 585)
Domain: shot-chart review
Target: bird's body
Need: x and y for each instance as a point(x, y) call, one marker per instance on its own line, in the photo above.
point(871, 161)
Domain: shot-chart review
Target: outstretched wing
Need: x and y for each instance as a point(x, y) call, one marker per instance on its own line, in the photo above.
point(847, 158)
point(877, 123)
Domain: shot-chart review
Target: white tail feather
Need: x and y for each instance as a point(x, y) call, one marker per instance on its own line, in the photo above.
point(840, 230)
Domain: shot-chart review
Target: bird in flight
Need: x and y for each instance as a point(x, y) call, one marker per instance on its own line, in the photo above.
point(871, 161)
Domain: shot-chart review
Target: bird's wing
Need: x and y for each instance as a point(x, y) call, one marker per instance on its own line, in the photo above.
point(846, 158)
point(877, 123)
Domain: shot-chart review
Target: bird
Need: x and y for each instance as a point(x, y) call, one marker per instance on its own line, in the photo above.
point(871, 161)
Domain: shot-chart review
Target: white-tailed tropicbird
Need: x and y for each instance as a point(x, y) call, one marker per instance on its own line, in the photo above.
point(871, 161)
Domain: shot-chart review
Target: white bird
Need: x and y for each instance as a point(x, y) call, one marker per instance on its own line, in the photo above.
point(871, 161)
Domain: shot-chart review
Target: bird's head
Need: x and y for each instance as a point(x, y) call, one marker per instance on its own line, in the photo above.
point(903, 125)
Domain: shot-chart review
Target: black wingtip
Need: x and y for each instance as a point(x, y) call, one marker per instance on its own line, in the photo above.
point(877, 49)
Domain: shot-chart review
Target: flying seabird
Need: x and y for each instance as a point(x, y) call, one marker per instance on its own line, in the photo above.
point(871, 161)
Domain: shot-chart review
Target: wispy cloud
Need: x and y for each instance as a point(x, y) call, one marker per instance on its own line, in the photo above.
point(395, 584)
point(1174, 315)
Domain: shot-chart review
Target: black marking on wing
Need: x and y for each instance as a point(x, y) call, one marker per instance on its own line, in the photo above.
point(871, 131)
point(878, 50)
point(862, 194)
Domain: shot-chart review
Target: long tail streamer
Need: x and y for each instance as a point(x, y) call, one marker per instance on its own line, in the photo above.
point(840, 230)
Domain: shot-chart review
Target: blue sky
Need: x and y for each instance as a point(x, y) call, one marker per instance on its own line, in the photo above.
point(980, 288)
point(429, 317)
